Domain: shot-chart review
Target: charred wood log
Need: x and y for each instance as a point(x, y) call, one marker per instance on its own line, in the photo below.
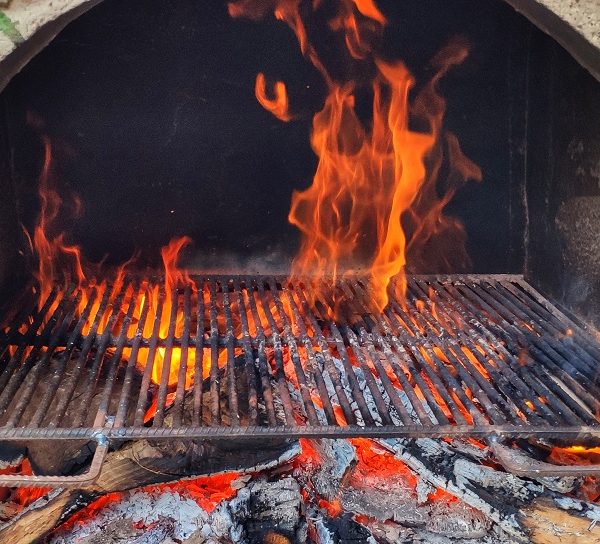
point(525, 510)
point(137, 464)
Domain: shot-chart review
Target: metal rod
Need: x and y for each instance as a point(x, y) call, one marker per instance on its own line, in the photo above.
point(15, 378)
point(166, 363)
point(178, 403)
point(234, 414)
point(357, 393)
point(311, 363)
point(28, 339)
point(249, 362)
point(30, 381)
point(280, 377)
point(199, 358)
point(113, 310)
point(141, 407)
point(332, 371)
point(265, 375)
point(215, 377)
point(120, 418)
point(68, 391)
point(102, 413)
point(306, 391)
point(65, 357)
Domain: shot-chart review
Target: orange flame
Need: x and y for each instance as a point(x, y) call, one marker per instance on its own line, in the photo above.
point(278, 105)
point(376, 181)
point(61, 264)
point(174, 278)
point(54, 255)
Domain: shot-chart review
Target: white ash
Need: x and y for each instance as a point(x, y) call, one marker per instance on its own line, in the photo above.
point(293, 450)
point(267, 504)
point(277, 403)
point(144, 508)
point(338, 457)
point(388, 500)
point(423, 490)
point(362, 386)
point(466, 472)
point(589, 510)
point(560, 484)
point(457, 519)
point(326, 535)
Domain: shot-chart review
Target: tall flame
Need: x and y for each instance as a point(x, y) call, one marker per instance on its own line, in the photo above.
point(376, 192)
point(55, 257)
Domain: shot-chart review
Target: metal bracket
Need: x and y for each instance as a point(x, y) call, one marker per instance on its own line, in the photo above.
point(520, 464)
point(79, 480)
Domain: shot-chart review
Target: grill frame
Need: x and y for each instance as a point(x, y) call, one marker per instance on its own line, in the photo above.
point(374, 335)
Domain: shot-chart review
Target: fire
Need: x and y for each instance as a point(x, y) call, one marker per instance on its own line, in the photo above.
point(575, 455)
point(61, 265)
point(278, 105)
point(379, 180)
point(55, 257)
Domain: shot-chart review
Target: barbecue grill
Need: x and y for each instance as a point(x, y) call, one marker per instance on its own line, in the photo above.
point(473, 356)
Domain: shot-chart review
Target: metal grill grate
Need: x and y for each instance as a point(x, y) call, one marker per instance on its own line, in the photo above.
point(249, 356)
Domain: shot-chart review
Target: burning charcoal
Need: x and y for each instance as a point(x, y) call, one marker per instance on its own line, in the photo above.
point(270, 510)
point(342, 530)
point(117, 531)
point(140, 518)
point(11, 454)
point(389, 532)
point(158, 533)
point(394, 501)
point(337, 458)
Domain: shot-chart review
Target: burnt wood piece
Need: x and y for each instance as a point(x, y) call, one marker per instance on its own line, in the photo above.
point(271, 512)
point(137, 464)
point(527, 511)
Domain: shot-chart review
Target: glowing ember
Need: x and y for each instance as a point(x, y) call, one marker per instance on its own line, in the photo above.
point(575, 455)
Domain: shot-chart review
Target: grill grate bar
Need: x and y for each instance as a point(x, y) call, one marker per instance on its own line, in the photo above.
point(183, 363)
point(474, 354)
point(269, 390)
point(498, 408)
point(31, 372)
point(585, 360)
point(520, 369)
point(64, 358)
point(499, 366)
point(112, 311)
point(140, 410)
point(124, 398)
point(234, 414)
point(103, 408)
point(536, 348)
point(332, 372)
point(306, 389)
point(166, 362)
point(282, 383)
